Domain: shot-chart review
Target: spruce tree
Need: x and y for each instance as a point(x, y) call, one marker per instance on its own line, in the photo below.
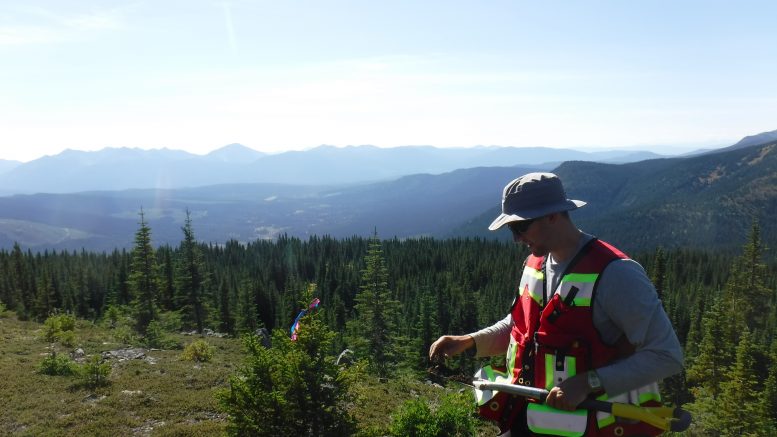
point(247, 319)
point(20, 287)
point(191, 279)
point(226, 308)
point(770, 385)
point(709, 366)
point(143, 281)
point(659, 272)
point(426, 328)
point(167, 281)
point(745, 291)
point(741, 409)
point(373, 331)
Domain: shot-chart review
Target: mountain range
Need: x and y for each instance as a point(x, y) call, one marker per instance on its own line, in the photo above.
point(707, 200)
point(126, 168)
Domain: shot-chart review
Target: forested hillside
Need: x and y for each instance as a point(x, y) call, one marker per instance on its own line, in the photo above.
point(409, 292)
point(706, 202)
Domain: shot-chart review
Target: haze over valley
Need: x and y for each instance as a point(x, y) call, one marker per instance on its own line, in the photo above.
point(92, 200)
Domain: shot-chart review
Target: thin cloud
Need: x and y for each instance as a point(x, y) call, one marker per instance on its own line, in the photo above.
point(230, 27)
point(24, 35)
point(37, 25)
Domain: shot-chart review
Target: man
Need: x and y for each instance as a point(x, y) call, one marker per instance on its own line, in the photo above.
point(587, 321)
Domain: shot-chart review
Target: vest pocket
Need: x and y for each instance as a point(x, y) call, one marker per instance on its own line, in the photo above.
point(556, 364)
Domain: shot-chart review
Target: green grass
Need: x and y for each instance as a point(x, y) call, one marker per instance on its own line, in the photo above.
point(172, 397)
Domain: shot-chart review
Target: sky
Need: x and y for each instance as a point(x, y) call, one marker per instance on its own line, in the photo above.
point(196, 75)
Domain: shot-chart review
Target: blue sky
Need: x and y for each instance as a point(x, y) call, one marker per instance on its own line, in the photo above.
point(282, 75)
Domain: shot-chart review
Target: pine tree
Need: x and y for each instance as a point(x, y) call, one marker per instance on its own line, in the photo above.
point(143, 280)
point(770, 385)
point(659, 272)
point(226, 307)
point(427, 324)
point(709, 366)
point(20, 287)
point(740, 407)
point(745, 291)
point(246, 320)
point(191, 279)
point(167, 281)
point(373, 331)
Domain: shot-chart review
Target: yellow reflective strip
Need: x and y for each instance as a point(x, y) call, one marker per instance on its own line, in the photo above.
point(531, 281)
point(583, 295)
point(604, 419)
point(536, 274)
point(534, 294)
point(550, 366)
point(571, 366)
point(582, 301)
point(581, 277)
point(647, 397)
point(511, 358)
point(546, 420)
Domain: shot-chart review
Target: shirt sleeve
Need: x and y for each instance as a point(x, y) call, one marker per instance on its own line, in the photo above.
point(627, 304)
point(494, 339)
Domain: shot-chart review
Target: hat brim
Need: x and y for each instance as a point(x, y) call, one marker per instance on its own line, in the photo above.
point(529, 214)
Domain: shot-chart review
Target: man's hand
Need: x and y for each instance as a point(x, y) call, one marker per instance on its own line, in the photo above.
point(450, 345)
point(570, 393)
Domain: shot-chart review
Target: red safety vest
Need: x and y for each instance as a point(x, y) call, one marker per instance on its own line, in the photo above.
point(552, 342)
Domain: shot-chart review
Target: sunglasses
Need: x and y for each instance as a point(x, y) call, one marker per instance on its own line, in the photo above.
point(520, 227)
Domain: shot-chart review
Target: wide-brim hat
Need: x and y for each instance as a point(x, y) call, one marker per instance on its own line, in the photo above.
point(533, 195)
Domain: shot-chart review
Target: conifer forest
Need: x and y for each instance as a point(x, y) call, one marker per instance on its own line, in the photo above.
point(386, 301)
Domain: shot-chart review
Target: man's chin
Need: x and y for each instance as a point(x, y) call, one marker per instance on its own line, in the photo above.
point(538, 251)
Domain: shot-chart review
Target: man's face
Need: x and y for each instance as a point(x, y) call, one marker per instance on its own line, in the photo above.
point(532, 235)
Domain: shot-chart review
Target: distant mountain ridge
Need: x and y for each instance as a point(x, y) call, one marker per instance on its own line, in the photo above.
point(8, 165)
point(124, 168)
point(411, 206)
point(704, 201)
point(707, 201)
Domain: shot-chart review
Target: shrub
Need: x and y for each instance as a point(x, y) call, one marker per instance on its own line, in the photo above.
point(111, 316)
point(95, 372)
point(293, 388)
point(55, 325)
point(414, 418)
point(57, 365)
point(454, 417)
point(125, 334)
point(157, 338)
point(170, 321)
point(198, 350)
point(66, 338)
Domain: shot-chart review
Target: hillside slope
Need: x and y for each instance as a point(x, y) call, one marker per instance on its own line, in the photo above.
point(707, 201)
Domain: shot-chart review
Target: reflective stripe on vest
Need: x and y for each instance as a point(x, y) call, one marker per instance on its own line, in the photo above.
point(489, 374)
point(555, 373)
point(532, 283)
point(583, 283)
point(546, 420)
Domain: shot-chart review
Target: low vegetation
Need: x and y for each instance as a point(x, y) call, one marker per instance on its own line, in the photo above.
point(126, 344)
point(96, 388)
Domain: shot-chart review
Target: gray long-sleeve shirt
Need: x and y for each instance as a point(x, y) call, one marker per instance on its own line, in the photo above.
point(626, 303)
